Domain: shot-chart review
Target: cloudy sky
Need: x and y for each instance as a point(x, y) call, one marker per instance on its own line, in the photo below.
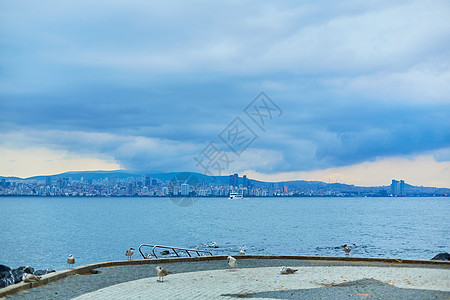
point(363, 88)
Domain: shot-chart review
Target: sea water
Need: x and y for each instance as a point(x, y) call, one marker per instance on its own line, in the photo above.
point(42, 231)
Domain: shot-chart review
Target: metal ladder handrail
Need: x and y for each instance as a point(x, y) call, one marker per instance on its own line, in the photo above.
point(173, 249)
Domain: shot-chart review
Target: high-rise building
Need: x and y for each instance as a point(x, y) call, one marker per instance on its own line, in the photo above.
point(165, 191)
point(148, 181)
point(176, 190)
point(130, 189)
point(48, 181)
point(401, 191)
point(244, 181)
point(185, 189)
point(394, 187)
point(236, 179)
point(65, 182)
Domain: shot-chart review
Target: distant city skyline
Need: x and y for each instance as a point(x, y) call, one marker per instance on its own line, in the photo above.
point(396, 185)
point(357, 93)
point(120, 184)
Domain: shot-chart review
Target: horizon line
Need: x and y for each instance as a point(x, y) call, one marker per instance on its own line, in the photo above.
point(130, 172)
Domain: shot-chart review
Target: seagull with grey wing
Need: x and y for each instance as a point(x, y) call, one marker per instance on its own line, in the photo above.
point(347, 249)
point(30, 277)
point(71, 261)
point(287, 270)
point(129, 253)
point(161, 272)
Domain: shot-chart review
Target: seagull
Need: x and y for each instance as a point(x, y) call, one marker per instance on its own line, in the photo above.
point(161, 272)
point(30, 277)
point(232, 261)
point(242, 252)
point(71, 260)
point(149, 256)
point(287, 270)
point(129, 253)
point(347, 249)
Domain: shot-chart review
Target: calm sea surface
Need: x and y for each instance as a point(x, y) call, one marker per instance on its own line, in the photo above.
point(42, 232)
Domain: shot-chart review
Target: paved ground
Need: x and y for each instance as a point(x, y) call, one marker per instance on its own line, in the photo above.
point(254, 278)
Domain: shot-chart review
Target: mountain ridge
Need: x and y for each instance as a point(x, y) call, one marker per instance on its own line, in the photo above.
point(120, 174)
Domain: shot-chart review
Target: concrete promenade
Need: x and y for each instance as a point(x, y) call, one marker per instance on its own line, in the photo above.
point(255, 277)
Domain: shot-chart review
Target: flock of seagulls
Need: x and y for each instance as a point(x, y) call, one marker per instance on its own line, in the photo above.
point(161, 272)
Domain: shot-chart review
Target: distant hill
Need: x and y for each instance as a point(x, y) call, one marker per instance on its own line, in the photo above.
point(10, 178)
point(197, 178)
point(94, 175)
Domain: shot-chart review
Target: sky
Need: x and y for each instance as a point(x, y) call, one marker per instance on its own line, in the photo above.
point(354, 92)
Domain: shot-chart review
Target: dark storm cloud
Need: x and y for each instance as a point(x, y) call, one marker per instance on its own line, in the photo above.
point(152, 84)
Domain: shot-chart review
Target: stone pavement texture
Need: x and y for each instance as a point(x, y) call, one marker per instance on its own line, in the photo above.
point(329, 282)
point(254, 278)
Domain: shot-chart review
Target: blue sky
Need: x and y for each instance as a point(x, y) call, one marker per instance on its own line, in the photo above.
point(145, 86)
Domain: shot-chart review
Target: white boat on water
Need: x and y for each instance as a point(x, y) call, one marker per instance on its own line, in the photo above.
point(236, 196)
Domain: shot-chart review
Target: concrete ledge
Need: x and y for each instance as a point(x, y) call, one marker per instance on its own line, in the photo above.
point(349, 259)
point(88, 269)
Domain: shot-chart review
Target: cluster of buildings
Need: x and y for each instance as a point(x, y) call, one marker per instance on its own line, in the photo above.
point(132, 186)
point(137, 185)
point(397, 188)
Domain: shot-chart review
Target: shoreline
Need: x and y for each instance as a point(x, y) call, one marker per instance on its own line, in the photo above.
point(108, 274)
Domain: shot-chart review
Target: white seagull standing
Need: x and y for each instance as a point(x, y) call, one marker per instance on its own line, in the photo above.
point(232, 261)
point(71, 261)
point(129, 253)
point(242, 252)
point(161, 272)
point(287, 270)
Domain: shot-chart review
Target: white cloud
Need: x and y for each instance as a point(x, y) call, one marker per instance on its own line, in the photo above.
point(422, 84)
point(134, 153)
point(420, 170)
point(33, 161)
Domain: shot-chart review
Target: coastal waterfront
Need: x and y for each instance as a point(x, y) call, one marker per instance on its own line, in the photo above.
point(41, 232)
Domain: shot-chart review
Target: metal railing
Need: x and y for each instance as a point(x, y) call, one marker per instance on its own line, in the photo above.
point(173, 249)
